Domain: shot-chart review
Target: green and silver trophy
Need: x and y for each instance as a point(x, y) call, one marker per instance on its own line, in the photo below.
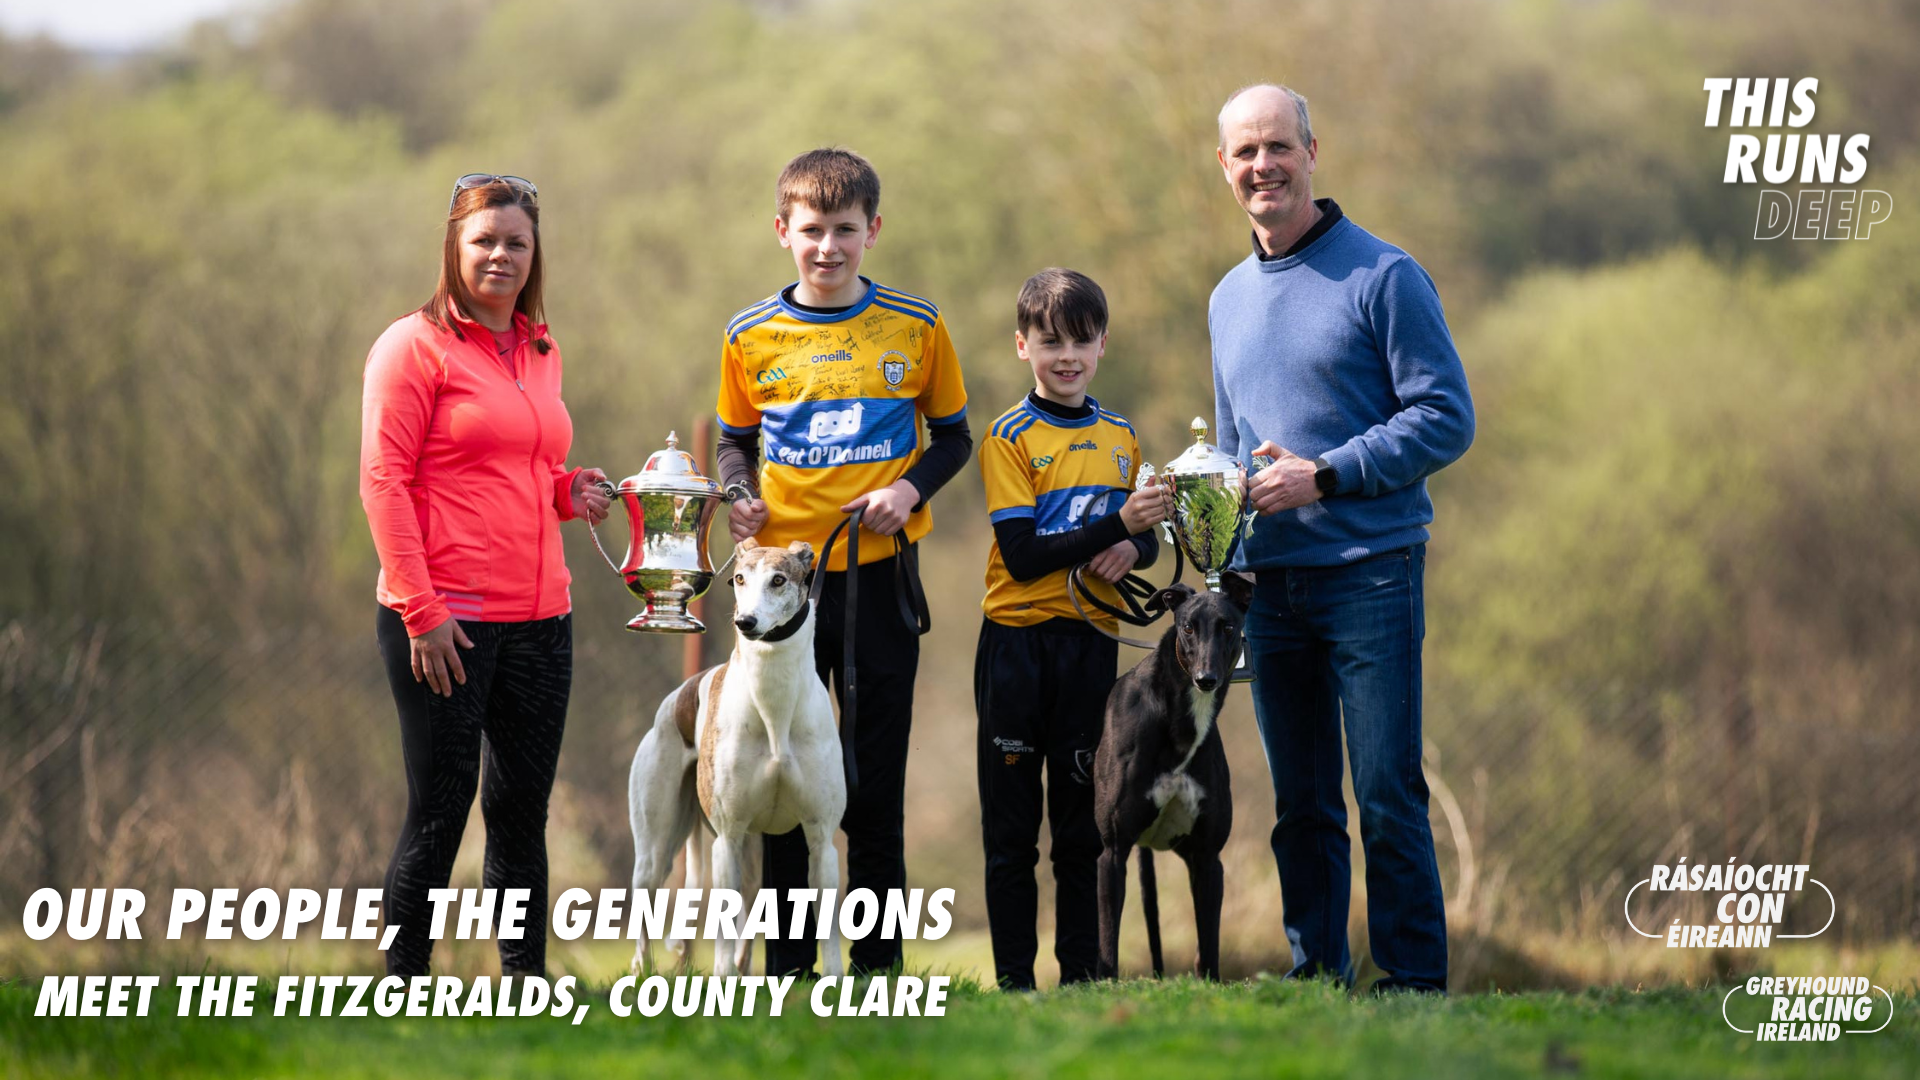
point(1211, 511)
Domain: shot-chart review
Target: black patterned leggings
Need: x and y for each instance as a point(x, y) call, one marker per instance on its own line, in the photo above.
point(514, 706)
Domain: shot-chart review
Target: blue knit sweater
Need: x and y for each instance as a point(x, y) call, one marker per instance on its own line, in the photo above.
point(1339, 351)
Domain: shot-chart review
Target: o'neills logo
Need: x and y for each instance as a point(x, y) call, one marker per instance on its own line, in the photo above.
point(1751, 904)
point(1803, 1009)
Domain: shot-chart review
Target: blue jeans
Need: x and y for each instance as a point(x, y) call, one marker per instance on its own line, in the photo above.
point(1328, 641)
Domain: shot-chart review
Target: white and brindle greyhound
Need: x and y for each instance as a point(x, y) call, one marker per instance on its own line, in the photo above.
point(742, 749)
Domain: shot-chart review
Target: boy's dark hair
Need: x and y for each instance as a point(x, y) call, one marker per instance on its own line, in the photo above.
point(829, 180)
point(1064, 301)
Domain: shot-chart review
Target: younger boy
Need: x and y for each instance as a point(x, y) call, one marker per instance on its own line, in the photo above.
point(1059, 471)
point(836, 372)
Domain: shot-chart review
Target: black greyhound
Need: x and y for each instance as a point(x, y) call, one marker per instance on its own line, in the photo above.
point(1160, 774)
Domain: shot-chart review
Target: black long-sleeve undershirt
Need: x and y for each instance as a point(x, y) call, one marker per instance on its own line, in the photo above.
point(1029, 555)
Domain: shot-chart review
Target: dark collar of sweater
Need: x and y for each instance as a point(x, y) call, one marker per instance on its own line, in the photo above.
point(1330, 216)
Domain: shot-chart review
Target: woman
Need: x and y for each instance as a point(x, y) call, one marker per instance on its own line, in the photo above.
point(463, 446)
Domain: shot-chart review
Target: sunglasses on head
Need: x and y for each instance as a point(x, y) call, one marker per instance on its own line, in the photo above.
point(474, 179)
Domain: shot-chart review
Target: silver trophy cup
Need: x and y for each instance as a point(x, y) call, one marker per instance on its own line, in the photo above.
point(1211, 512)
point(670, 510)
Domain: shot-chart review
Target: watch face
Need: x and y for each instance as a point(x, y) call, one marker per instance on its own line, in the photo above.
point(1326, 479)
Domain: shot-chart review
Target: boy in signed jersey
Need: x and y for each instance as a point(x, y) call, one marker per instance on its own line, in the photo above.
point(1060, 473)
point(835, 373)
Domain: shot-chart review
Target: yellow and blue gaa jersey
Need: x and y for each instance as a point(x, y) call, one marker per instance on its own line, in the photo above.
point(1064, 474)
point(837, 400)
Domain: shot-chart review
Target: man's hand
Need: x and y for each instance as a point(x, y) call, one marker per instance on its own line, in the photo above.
point(589, 500)
point(436, 660)
point(1146, 507)
point(1283, 485)
point(887, 508)
point(1113, 564)
point(746, 517)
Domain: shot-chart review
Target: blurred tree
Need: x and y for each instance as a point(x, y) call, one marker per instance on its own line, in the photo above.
point(355, 57)
point(30, 67)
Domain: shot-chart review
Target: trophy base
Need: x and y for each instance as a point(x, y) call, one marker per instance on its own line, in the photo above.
point(666, 622)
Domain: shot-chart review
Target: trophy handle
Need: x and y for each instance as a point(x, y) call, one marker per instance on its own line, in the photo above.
point(1261, 463)
point(611, 493)
point(1148, 472)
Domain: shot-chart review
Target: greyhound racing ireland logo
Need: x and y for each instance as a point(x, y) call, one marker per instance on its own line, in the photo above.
point(893, 368)
point(1750, 905)
point(1803, 1009)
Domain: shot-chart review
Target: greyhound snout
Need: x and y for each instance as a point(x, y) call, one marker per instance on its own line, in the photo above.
point(746, 624)
point(1206, 681)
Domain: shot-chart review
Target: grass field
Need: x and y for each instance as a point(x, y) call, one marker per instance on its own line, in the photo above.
point(1179, 1028)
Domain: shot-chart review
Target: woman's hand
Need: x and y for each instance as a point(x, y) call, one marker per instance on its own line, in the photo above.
point(436, 659)
point(589, 500)
point(1113, 564)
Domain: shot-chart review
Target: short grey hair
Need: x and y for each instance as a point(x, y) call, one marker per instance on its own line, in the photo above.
point(1299, 110)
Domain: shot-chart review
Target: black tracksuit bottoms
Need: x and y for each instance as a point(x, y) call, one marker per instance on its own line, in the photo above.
point(505, 721)
point(888, 659)
point(1041, 694)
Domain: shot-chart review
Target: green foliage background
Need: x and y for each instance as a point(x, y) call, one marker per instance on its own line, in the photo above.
point(1693, 489)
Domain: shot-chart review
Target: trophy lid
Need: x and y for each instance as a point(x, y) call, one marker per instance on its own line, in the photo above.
point(1202, 458)
point(670, 471)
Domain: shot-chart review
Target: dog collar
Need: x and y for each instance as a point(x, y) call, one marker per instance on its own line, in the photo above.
point(789, 628)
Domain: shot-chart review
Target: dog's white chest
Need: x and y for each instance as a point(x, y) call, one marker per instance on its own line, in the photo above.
point(1177, 794)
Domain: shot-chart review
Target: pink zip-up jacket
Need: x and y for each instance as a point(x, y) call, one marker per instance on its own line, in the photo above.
point(463, 474)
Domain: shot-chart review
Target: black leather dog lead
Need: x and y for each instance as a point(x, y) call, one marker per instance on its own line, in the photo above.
point(1141, 597)
point(913, 612)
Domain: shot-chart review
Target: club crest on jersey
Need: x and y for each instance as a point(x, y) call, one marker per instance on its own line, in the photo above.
point(1125, 463)
point(893, 368)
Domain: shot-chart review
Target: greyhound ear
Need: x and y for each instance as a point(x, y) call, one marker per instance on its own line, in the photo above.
point(1239, 589)
point(1173, 596)
point(805, 551)
point(746, 545)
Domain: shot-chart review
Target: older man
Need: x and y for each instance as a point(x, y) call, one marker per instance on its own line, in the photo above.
point(1331, 357)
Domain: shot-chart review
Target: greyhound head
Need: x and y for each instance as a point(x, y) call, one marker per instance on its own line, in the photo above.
point(1206, 628)
point(769, 586)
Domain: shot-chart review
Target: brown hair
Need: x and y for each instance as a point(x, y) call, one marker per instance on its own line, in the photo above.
point(829, 180)
point(1064, 301)
point(451, 294)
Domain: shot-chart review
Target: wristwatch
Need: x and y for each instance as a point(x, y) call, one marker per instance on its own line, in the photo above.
point(1325, 476)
